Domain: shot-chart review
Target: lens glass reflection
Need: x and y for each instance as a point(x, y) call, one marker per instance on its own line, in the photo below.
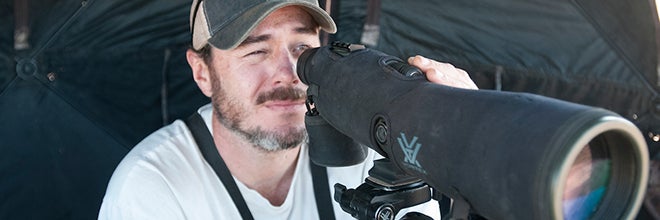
point(587, 182)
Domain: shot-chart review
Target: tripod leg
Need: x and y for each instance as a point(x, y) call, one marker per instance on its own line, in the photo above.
point(459, 210)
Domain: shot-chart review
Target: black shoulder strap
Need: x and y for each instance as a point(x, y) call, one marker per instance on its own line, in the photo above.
point(322, 192)
point(206, 145)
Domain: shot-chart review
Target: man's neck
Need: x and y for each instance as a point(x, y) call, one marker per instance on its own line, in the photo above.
point(269, 173)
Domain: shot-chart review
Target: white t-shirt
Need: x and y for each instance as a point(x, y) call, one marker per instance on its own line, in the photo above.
point(166, 177)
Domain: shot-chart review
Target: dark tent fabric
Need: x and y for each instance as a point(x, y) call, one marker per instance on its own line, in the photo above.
point(98, 76)
point(105, 75)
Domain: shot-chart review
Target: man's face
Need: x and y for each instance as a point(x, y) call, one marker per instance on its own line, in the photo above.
point(256, 91)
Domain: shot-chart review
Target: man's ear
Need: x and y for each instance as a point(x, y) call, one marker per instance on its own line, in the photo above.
point(201, 73)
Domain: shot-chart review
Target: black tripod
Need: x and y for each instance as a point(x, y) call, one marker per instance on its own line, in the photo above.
point(387, 190)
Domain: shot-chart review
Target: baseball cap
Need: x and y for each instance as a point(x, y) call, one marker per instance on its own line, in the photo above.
point(226, 23)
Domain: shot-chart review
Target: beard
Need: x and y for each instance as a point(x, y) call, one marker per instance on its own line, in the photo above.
point(231, 113)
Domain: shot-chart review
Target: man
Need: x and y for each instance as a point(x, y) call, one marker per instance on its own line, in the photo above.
point(244, 57)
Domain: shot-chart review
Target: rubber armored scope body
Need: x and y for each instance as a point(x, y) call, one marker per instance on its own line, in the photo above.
point(509, 155)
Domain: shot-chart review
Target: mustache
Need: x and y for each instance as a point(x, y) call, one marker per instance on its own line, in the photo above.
point(282, 94)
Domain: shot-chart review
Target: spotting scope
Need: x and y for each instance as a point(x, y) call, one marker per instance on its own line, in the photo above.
point(505, 155)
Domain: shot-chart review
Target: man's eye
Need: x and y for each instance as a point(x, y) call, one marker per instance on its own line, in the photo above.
point(257, 52)
point(301, 48)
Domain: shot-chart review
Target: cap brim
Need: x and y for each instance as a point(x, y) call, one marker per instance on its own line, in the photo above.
point(231, 35)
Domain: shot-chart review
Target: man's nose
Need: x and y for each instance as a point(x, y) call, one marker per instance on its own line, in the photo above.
point(286, 68)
